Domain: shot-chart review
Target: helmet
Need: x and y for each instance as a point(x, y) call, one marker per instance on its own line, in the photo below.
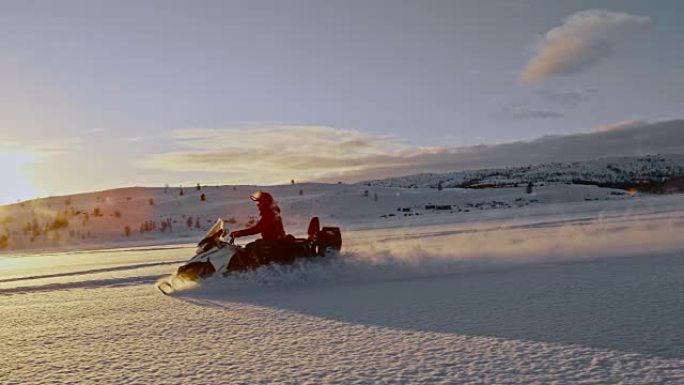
point(262, 197)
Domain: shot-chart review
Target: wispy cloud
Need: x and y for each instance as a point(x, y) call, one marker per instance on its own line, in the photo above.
point(57, 147)
point(42, 149)
point(626, 124)
point(568, 99)
point(545, 103)
point(583, 40)
point(524, 113)
point(275, 154)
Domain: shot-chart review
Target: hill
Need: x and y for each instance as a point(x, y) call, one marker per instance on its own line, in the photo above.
point(652, 173)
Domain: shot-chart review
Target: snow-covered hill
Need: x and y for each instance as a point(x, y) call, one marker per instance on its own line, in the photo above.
point(645, 171)
point(148, 216)
point(144, 216)
point(583, 292)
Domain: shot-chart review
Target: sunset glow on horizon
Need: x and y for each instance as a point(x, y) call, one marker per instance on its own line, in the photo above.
point(14, 170)
point(230, 93)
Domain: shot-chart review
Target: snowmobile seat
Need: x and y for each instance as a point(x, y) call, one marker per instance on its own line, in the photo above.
point(264, 251)
point(329, 238)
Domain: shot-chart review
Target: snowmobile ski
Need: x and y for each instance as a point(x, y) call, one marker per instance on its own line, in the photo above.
point(165, 287)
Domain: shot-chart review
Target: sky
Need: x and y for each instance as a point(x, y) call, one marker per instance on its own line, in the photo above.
point(101, 94)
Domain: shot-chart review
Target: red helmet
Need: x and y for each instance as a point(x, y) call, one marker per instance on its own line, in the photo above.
point(262, 197)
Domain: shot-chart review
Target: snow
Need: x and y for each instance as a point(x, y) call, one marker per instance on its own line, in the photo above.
point(348, 206)
point(626, 170)
point(562, 290)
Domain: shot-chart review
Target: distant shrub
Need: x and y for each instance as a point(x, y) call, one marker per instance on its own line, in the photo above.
point(60, 221)
point(97, 212)
point(150, 201)
point(127, 230)
point(4, 241)
point(117, 214)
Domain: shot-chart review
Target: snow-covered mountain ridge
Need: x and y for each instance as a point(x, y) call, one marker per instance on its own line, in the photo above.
point(649, 173)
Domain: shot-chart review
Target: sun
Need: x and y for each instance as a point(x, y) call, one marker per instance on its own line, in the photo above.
point(14, 181)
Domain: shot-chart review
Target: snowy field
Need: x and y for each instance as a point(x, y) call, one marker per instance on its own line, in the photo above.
point(571, 291)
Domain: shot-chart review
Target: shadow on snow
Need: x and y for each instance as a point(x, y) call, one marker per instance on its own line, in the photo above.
point(631, 304)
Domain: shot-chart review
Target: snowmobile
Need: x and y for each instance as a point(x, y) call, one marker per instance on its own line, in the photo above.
point(215, 255)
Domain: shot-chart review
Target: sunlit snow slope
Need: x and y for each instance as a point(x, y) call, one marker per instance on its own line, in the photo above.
point(587, 292)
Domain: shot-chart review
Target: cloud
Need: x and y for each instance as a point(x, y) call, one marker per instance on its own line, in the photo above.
point(560, 102)
point(620, 125)
point(278, 153)
point(57, 146)
point(568, 99)
point(44, 149)
point(583, 40)
point(270, 154)
point(523, 113)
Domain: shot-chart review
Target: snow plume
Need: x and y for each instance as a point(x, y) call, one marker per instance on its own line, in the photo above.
point(399, 254)
point(583, 40)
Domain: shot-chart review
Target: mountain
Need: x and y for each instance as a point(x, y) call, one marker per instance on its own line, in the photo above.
point(652, 173)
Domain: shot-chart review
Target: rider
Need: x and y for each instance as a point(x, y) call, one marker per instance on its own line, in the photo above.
point(270, 225)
